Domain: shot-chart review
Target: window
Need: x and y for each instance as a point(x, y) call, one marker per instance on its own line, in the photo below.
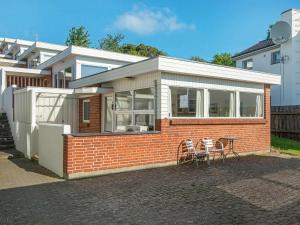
point(186, 102)
point(248, 64)
point(275, 57)
point(87, 70)
point(221, 103)
point(144, 99)
point(86, 111)
point(124, 100)
point(251, 105)
point(135, 110)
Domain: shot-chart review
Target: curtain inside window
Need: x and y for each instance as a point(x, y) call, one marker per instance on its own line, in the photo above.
point(199, 105)
point(259, 106)
point(232, 105)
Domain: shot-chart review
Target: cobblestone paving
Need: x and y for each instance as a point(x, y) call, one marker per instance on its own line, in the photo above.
point(219, 194)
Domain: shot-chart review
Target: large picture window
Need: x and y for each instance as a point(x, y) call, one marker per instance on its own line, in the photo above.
point(251, 105)
point(135, 110)
point(221, 103)
point(186, 102)
point(88, 70)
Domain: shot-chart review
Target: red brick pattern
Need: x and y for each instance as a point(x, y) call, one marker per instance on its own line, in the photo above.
point(94, 126)
point(92, 153)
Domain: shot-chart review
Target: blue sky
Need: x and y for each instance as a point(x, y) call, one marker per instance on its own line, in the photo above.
point(180, 28)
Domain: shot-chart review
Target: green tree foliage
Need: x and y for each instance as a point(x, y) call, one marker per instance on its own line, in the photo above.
point(113, 43)
point(78, 36)
point(197, 59)
point(223, 59)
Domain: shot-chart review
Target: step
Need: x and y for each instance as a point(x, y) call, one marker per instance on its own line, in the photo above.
point(10, 146)
point(7, 142)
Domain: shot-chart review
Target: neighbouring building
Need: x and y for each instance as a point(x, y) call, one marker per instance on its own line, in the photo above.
point(87, 112)
point(281, 59)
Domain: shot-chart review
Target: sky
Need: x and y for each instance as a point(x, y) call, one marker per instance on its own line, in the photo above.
point(180, 28)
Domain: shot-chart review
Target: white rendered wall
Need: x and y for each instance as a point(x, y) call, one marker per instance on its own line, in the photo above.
point(51, 146)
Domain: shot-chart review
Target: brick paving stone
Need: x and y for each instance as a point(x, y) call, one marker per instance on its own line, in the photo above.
point(173, 195)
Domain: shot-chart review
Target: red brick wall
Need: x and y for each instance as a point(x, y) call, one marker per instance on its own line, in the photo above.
point(94, 126)
point(92, 153)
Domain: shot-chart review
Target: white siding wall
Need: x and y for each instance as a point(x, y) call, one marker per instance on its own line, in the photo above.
point(288, 93)
point(175, 80)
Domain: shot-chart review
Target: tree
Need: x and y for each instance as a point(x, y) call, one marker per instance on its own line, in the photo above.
point(112, 42)
point(78, 36)
point(223, 59)
point(197, 59)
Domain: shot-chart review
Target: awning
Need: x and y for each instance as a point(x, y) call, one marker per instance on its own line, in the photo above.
point(87, 91)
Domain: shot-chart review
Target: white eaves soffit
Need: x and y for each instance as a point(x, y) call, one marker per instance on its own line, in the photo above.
point(178, 66)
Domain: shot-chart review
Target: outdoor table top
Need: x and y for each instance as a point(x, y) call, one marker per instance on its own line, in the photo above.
point(230, 138)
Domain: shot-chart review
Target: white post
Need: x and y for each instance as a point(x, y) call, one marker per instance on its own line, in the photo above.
point(2, 87)
point(237, 104)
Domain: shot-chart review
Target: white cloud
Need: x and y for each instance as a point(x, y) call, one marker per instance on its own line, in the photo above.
point(145, 20)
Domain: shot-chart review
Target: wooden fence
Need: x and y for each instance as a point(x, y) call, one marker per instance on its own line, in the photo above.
point(285, 121)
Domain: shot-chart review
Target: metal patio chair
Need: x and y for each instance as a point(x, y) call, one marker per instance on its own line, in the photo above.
point(192, 152)
point(213, 147)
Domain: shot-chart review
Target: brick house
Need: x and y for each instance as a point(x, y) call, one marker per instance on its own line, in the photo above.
point(104, 112)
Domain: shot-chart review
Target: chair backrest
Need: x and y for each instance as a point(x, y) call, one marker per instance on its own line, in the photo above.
point(188, 145)
point(207, 142)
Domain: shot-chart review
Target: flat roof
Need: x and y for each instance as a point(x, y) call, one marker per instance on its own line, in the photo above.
point(90, 52)
point(178, 66)
point(42, 45)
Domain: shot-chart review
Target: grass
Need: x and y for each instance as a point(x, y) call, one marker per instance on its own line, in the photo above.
point(286, 146)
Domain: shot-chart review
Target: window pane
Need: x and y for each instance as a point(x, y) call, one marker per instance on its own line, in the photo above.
point(86, 111)
point(186, 102)
point(248, 64)
point(144, 99)
point(251, 105)
point(222, 104)
point(275, 57)
point(123, 121)
point(87, 70)
point(145, 121)
point(124, 100)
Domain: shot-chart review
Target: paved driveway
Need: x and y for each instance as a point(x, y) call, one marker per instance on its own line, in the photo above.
point(255, 190)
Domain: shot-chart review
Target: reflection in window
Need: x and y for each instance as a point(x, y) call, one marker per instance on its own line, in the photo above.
point(145, 122)
point(186, 102)
point(221, 103)
point(123, 121)
point(144, 99)
point(124, 100)
point(87, 70)
point(251, 105)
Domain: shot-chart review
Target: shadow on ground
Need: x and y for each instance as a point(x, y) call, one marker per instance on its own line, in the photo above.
point(254, 190)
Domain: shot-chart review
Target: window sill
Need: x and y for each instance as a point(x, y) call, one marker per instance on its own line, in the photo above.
point(217, 121)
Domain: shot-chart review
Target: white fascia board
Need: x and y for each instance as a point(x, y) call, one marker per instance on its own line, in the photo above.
point(26, 70)
point(178, 66)
point(90, 52)
point(99, 53)
point(46, 90)
point(59, 57)
point(92, 90)
point(12, 61)
point(130, 70)
point(172, 65)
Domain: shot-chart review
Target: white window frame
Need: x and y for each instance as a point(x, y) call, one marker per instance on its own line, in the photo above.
point(83, 114)
point(206, 102)
point(132, 111)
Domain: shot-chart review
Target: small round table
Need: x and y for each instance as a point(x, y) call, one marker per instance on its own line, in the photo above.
point(230, 140)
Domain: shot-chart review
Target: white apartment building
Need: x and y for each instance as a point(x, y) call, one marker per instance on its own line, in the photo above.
point(281, 59)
